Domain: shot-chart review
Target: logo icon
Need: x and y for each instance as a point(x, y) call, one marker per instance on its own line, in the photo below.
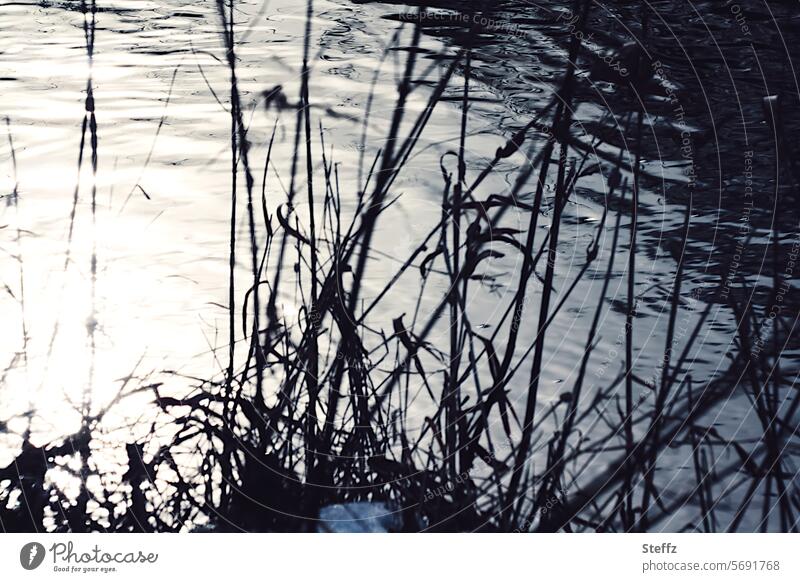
point(31, 555)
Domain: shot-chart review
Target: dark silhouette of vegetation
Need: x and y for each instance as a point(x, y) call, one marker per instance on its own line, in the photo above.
point(318, 413)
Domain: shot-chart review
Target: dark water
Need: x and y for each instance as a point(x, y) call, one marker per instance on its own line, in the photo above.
point(706, 67)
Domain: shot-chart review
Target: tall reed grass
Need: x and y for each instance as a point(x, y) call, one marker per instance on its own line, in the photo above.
point(319, 412)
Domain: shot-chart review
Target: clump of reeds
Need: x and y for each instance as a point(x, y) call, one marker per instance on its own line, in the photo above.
point(318, 413)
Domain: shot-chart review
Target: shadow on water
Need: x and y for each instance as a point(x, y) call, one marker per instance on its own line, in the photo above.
point(703, 72)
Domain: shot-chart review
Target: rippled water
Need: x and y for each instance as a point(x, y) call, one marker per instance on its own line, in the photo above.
point(156, 214)
point(162, 247)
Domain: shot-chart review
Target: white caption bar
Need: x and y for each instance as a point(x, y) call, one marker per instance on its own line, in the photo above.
point(389, 557)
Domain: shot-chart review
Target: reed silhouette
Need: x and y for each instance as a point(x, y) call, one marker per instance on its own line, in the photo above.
point(318, 412)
